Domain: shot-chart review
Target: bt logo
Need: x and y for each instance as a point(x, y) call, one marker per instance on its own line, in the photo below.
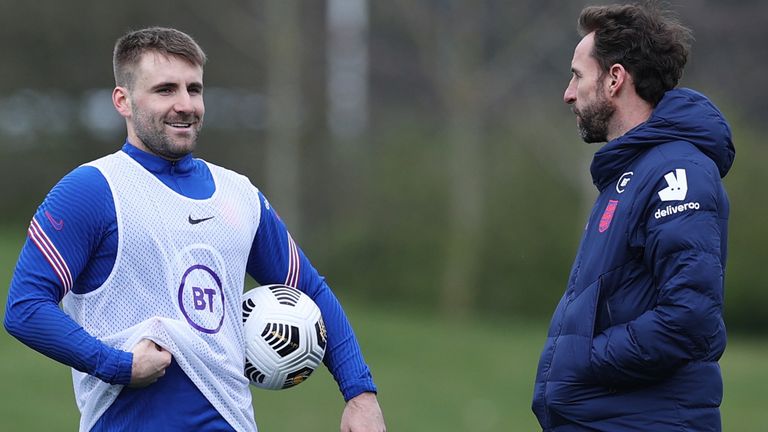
point(200, 295)
point(201, 299)
point(621, 185)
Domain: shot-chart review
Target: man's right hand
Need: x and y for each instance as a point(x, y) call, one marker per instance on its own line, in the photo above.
point(149, 363)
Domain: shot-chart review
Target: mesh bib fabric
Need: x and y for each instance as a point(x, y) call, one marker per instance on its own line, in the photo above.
point(177, 280)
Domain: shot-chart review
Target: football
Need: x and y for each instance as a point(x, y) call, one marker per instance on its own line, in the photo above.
point(285, 336)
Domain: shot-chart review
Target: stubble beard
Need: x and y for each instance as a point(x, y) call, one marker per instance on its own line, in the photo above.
point(593, 119)
point(151, 131)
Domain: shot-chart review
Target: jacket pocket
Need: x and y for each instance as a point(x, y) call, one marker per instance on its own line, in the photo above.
point(572, 381)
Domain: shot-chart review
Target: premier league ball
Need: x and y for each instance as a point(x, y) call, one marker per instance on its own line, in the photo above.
point(285, 336)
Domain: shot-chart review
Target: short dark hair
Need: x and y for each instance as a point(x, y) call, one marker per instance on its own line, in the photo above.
point(648, 41)
point(167, 41)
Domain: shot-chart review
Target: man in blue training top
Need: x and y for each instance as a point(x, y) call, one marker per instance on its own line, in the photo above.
point(126, 243)
point(635, 341)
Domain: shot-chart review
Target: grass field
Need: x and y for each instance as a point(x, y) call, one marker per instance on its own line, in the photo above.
point(433, 376)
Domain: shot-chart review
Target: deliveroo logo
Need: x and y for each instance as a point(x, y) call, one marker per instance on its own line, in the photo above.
point(677, 186)
point(676, 190)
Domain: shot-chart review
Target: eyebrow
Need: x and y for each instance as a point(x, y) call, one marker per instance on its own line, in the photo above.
point(164, 84)
point(171, 84)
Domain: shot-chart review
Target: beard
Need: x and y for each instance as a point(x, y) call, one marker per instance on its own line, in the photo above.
point(593, 119)
point(151, 131)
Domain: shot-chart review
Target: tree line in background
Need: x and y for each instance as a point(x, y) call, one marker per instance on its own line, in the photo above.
point(419, 151)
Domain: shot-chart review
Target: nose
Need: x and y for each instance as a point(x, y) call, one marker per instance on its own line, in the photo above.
point(569, 96)
point(184, 103)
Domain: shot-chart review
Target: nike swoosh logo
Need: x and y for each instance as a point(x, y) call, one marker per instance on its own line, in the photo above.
point(197, 221)
point(58, 225)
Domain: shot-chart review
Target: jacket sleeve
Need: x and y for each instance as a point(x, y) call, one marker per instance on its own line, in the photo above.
point(276, 259)
point(682, 233)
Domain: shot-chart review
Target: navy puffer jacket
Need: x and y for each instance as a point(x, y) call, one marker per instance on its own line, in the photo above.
point(634, 342)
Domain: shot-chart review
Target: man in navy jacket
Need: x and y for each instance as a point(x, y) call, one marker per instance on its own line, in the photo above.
point(634, 342)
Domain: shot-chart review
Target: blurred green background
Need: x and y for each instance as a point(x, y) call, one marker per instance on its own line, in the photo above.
point(421, 155)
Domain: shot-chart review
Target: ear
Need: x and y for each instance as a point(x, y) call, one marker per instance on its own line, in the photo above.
point(617, 78)
point(121, 99)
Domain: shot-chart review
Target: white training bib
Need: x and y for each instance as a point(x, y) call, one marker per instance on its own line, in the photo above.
point(177, 280)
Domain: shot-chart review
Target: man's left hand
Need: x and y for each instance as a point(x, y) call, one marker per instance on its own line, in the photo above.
point(363, 414)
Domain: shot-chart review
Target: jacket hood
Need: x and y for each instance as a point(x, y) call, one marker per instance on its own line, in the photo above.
point(681, 115)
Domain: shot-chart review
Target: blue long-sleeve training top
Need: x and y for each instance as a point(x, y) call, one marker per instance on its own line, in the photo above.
point(72, 245)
